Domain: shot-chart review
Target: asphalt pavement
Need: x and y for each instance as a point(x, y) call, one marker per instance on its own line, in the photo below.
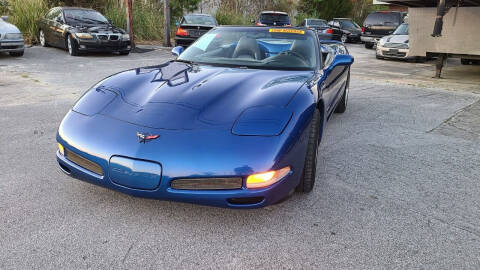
point(398, 182)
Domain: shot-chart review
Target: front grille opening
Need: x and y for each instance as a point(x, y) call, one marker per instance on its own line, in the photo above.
point(246, 200)
point(83, 162)
point(207, 183)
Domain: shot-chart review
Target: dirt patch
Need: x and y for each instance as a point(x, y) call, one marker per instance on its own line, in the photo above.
point(464, 124)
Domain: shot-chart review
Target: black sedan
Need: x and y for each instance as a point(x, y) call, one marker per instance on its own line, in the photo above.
point(193, 26)
point(350, 31)
point(81, 30)
point(324, 31)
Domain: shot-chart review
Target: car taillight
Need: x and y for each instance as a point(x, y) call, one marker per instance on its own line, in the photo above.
point(363, 29)
point(260, 24)
point(182, 32)
point(329, 31)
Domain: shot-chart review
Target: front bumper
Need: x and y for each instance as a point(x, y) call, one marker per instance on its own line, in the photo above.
point(370, 39)
point(392, 52)
point(12, 45)
point(96, 45)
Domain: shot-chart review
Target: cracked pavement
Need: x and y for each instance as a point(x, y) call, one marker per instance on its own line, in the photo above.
point(397, 185)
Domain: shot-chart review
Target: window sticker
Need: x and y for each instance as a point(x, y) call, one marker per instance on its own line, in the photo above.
point(289, 31)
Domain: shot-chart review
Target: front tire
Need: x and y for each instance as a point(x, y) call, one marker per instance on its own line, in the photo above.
point(72, 46)
point(344, 38)
point(368, 45)
point(124, 53)
point(310, 168)
point(43, 40)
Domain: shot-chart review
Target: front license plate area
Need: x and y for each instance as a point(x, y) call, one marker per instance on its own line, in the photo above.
point(134, 173)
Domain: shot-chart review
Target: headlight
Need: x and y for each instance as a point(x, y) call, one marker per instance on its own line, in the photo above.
point(13, 36)
point(382, 41)
point(83, 35)
point(126, 37)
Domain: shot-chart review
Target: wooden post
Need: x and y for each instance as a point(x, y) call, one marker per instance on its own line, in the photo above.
point(166, 23)
point(128, 5)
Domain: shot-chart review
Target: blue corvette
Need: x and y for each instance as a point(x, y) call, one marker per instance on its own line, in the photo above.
point(235, 121)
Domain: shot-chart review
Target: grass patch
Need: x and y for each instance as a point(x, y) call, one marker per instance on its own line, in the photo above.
point(25, 14)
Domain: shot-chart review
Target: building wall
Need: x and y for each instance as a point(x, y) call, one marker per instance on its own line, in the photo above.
point(459, 35)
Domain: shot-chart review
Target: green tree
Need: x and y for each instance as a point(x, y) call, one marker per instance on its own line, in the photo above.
point(326, 9)
point(178, 7)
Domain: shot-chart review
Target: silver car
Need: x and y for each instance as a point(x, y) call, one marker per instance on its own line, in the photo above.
point(11, 39)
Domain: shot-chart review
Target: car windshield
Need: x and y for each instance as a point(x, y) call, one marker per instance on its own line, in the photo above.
point(84, 16)
point(262, 48)
point(401, 30)
point(199, 19)
point(317, 23)
point(346, 24)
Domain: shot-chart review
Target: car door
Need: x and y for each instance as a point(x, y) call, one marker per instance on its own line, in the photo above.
point(57, 27)
point(47, 26)
point(336, 76)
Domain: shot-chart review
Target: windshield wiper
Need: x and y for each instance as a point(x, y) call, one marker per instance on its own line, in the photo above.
point(185, 61)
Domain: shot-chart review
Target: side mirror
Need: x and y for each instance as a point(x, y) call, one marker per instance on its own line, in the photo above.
point(177, 24)
point(177, 51)
point(59, 20)
point(5, 18)
point(342, 60)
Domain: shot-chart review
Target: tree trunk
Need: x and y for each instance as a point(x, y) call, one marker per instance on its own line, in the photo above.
point(166, 23)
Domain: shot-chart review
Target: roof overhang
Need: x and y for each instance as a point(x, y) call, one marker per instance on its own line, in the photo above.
point(432, 3)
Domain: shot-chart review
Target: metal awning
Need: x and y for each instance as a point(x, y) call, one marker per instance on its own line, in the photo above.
point(433, 3)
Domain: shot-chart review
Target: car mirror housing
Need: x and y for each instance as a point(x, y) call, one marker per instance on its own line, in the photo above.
point(177, 51)
point(5, 18)
point(342, 60)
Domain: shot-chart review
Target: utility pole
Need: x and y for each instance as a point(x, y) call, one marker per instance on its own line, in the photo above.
point(166, 23)
point(128, 5)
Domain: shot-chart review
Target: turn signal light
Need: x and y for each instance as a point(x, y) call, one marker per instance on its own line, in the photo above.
point(182, 32)
point(266, 179)
point(61, 149)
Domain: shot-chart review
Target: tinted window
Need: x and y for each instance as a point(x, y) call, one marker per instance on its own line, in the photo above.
point(349, 25)
point(383, 18)
point(317, 23)
point(198, 19)
point(262, 48)
point(274, 17)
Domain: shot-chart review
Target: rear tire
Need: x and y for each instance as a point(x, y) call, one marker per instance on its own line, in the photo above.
point(16, 54)
point(42, 39)
point(310, 168)
point(72, 46)
point(368, 45)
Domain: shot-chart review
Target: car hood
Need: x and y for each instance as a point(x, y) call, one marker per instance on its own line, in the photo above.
point(179, 96)
point(99, 28)
point(7, 27)
point(396, 38)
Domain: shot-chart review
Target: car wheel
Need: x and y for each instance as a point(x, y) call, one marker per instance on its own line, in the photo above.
point(368, 45)
point(16, 54)
point(342, 105)
point(124, 53)
point(41, 37)
point(344, 38)
point(465, 61)
point(310, 168)
point(378, 56)
point(72, 46)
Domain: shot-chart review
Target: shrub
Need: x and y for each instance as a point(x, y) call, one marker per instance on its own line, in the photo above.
point(25, 14)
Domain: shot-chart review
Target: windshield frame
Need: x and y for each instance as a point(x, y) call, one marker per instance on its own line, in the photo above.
point(243, 63)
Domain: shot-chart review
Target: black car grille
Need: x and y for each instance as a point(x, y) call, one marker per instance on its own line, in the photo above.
point(113, 37)
point(102, 37)
point(83, 162)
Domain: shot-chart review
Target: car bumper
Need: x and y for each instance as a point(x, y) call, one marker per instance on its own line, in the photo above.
point(12, 45)
point(103, 46)
point(184, 41)
point(354, 37)
point(392, 52)
point(324, 36)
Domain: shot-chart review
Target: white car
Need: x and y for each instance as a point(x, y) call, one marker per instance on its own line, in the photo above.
point(395, 45)
point(11, 39)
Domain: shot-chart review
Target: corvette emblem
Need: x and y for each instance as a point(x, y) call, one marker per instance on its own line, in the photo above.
point(143, 138)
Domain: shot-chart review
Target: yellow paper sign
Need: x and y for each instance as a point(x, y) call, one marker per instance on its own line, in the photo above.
point(286, 30)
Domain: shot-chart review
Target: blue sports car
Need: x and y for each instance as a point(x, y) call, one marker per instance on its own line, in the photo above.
point(235, 121)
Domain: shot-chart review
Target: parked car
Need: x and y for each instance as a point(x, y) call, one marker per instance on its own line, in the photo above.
point(395, 45)
point(324, 31)
point(11, 39)
point(379, 24)
point(81, 30)
point(193, 26)
point(351, 31)
point(234, 121)
point(273, 18)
